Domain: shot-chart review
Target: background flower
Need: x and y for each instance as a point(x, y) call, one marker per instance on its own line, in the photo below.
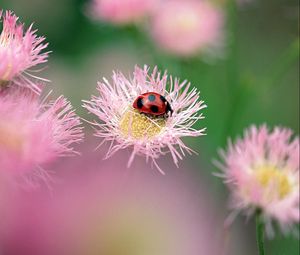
point(262, 171)
point(20, 50)
point(33, 133)
point(122, 11)
point(189, 27)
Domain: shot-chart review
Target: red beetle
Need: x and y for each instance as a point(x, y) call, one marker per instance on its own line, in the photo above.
point(152, 103)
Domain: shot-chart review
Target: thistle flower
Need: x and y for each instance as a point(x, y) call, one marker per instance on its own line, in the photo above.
point(20, 50)
point(152, 136)
point(34, 133)
point(121, 12)
point(186, 28)
point(262, 172)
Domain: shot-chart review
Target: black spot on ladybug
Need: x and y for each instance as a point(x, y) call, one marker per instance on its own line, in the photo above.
point(154, 108)
point(140, 103)
point(162, 98)
point(151, 98)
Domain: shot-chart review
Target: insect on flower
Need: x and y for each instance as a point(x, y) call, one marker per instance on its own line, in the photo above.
point(136, 113)
point(153, 103)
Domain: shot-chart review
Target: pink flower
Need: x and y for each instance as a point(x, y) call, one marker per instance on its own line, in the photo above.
point(262, 171)
point(34, 133)
point(122, 12)
point(102, 209)
point(20, 50)
point(123, 126)
point(186, 28)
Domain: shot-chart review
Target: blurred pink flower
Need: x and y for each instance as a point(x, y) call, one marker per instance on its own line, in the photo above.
point(19, 51)
point(262, 171)
point(33, 133)
point(101, 208)
point(186, 28)
point(123, 126)
point(122, 12)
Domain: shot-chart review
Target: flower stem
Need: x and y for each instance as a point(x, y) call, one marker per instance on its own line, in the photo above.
point(260, 234)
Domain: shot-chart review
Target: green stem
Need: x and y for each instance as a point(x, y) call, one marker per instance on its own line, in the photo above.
point(260, 234)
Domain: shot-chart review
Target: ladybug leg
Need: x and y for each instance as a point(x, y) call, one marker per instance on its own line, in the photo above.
point(145, 114)
point(167, 115)
point(149, 115)
point(169, 109)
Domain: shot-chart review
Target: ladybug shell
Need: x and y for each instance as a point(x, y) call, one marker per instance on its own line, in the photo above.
point(152, 103)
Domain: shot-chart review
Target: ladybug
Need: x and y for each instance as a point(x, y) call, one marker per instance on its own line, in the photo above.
point(152, 103)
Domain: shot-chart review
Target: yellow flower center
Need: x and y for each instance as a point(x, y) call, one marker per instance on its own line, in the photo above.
point(5, 77)
point(10, 137)
point(136, 125)
point(271, 176)
point(3, 83)
point(184, 22)
point(187, 21)
point(128, 233)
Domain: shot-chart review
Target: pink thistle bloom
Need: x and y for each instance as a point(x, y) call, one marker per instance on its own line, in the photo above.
point(186, 28)
point(148, 135)
point(34, 133)
point(20, 50)
point(122, 12)
point(262, 172)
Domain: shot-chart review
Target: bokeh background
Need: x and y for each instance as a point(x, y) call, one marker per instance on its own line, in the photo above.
point(255, 81)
